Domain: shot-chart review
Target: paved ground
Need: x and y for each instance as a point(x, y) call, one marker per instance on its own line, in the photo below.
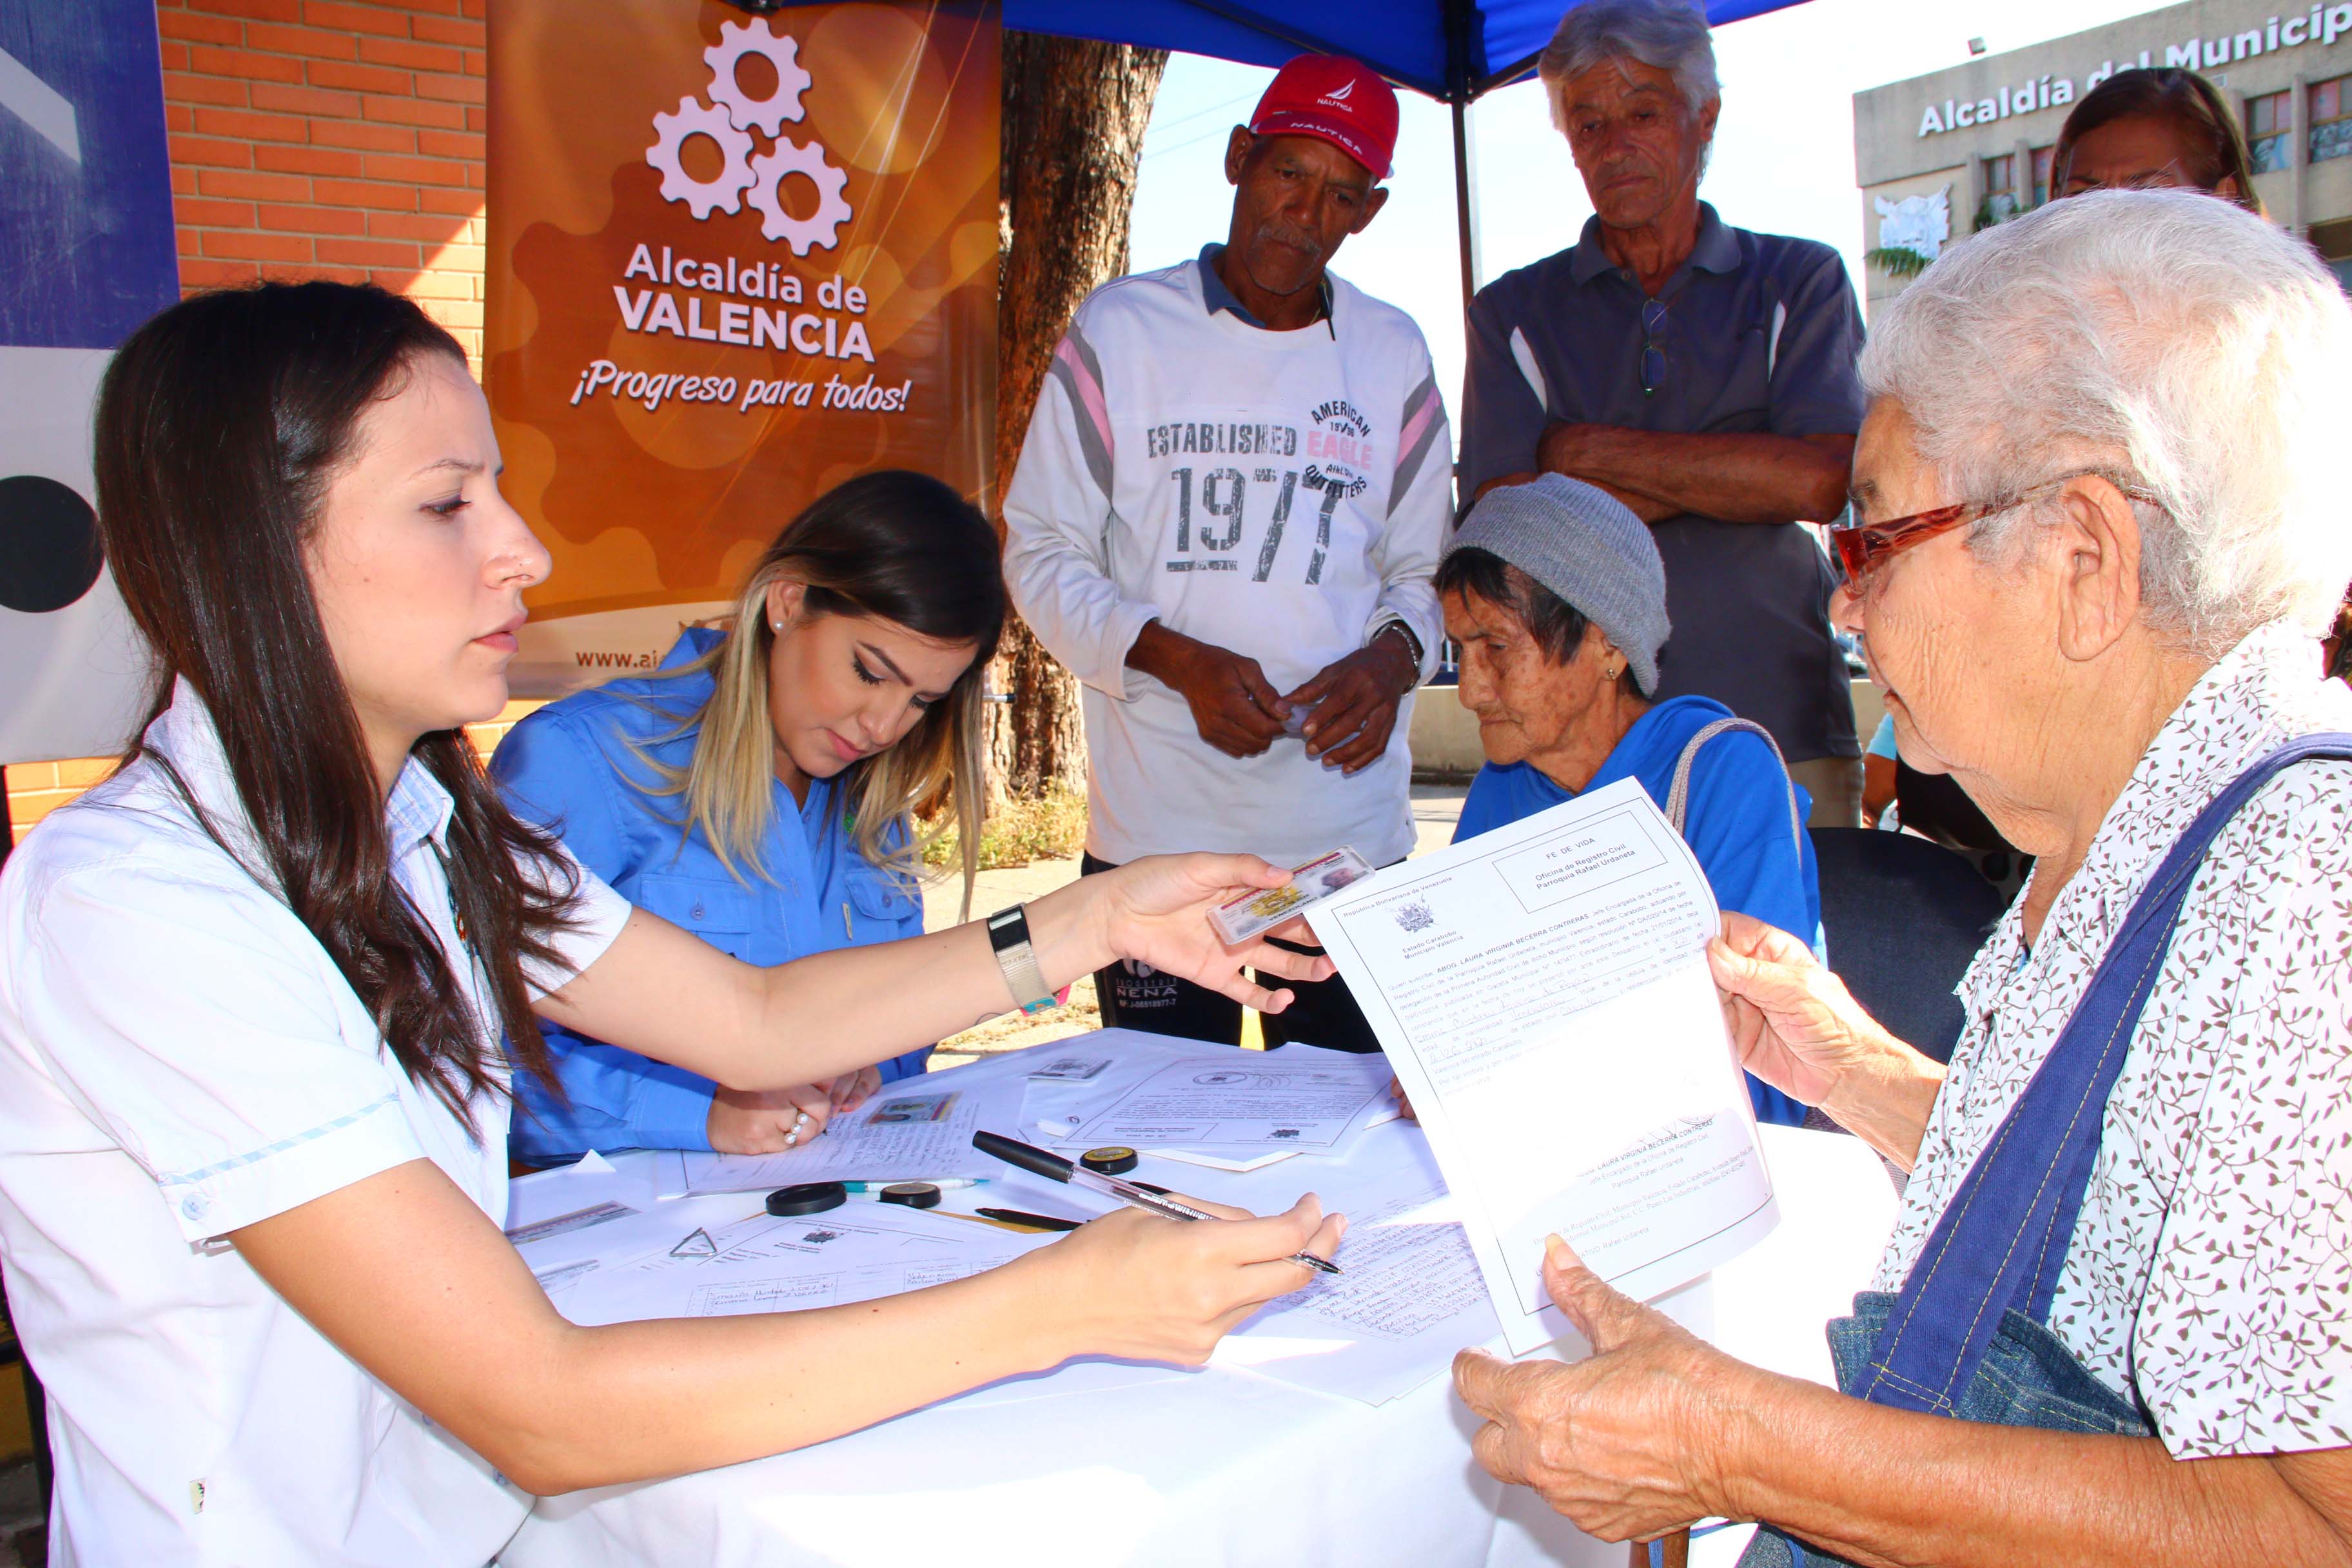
point(1435, 809)
point(23, 1531)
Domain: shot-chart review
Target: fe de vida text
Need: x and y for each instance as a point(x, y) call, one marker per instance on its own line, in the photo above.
point(664, 305)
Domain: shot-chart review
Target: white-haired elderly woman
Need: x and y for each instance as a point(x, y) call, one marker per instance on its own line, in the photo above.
point(2099, 517)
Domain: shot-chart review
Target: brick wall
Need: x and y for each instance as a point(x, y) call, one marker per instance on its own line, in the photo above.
point(318, 139)
point(37, 789)
point(330, 139)
point(485, 737)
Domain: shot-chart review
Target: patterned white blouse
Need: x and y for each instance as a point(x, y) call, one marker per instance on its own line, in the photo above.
point(2211, 1274)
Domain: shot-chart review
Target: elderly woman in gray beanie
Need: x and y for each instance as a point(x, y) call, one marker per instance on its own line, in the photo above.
point(2099, 523)
point(1558, 600)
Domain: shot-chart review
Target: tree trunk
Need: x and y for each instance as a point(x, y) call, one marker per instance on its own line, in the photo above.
point(1075, 113)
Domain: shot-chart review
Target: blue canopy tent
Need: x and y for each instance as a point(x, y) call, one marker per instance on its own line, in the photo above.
point(1452, 50)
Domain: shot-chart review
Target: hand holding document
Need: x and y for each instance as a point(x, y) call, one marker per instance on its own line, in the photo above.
point(1543, 995)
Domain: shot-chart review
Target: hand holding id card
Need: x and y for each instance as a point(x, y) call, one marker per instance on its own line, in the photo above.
point(1238, 919)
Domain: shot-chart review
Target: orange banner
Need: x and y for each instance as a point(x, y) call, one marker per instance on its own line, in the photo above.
point(734, 260)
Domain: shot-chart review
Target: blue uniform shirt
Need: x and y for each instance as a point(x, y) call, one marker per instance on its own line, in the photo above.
point(1759, 335)
point(1737, 824)
point(569, 766)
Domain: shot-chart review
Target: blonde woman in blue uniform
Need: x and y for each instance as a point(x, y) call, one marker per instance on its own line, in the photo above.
point(758, 790)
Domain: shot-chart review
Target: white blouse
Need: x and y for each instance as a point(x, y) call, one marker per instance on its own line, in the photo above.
point(179, 1057)
point(2211, 1266)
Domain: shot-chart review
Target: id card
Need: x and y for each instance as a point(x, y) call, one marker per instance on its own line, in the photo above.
point(1073, 1068)
point(1238, 919)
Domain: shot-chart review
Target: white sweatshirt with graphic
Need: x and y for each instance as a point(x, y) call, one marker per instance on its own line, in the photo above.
point(1279, 494)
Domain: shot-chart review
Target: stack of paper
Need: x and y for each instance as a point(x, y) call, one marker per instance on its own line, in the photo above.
point(608, 1249)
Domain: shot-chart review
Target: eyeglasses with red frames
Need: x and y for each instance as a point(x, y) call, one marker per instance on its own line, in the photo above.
point(1863, 547)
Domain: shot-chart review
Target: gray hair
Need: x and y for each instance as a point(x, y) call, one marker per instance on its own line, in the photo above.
point(2170, 340)
point(1669, 35)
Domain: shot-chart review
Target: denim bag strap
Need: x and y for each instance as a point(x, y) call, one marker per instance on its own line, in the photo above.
point(1966, 1337)
point(2004, 1238)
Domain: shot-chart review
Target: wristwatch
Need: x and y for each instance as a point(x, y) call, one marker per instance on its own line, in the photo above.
point(1008, 934)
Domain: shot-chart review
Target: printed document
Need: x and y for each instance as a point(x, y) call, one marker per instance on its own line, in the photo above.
point(916, 1128)
point(1299, 1098)
point(765, 1264)
point(1412, 1295)
point(1542, 992)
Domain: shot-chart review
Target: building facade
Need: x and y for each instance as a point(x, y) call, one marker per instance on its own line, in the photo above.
point(1941, 155)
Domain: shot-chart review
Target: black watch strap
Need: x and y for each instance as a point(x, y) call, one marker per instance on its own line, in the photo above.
point(1008, 934)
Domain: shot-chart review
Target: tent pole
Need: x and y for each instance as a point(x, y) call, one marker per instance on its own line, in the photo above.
point(1465, 217)
point(1460, 73)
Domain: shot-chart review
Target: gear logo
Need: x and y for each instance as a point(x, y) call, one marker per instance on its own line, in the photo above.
point(728, 121)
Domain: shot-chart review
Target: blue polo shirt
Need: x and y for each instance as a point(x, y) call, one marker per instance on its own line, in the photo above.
point(1736, 822)
point(1217, 297)
point(569, 767)
point(1759, 337)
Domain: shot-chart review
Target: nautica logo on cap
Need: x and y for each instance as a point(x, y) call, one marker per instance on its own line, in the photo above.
point(1339, 94)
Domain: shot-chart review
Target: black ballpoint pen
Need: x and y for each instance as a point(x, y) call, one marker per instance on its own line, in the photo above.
point(1053, 1167)
point(1030, 1221)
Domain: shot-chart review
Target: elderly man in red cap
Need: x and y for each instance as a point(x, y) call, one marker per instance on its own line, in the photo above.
point(1225, 518)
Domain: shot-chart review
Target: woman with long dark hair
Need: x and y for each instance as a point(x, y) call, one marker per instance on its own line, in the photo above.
point(252, 1101)
point(2154, 128)
point(761, 789)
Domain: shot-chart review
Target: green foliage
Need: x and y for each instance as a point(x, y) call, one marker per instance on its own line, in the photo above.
point(1896, 260)
point(1050, 827)
point(1998, 207)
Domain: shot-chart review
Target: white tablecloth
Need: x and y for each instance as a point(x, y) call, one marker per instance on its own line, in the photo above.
point(1214, 1466)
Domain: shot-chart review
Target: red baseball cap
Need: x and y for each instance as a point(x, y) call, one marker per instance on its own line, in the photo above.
point(1341, 100)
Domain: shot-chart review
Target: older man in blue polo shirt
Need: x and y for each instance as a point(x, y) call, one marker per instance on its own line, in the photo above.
point(1702, 374)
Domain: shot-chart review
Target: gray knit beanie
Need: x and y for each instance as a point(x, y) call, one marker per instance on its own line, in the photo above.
point(1587, 547)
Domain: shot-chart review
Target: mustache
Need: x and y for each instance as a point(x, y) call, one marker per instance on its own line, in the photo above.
point(1295, 239)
